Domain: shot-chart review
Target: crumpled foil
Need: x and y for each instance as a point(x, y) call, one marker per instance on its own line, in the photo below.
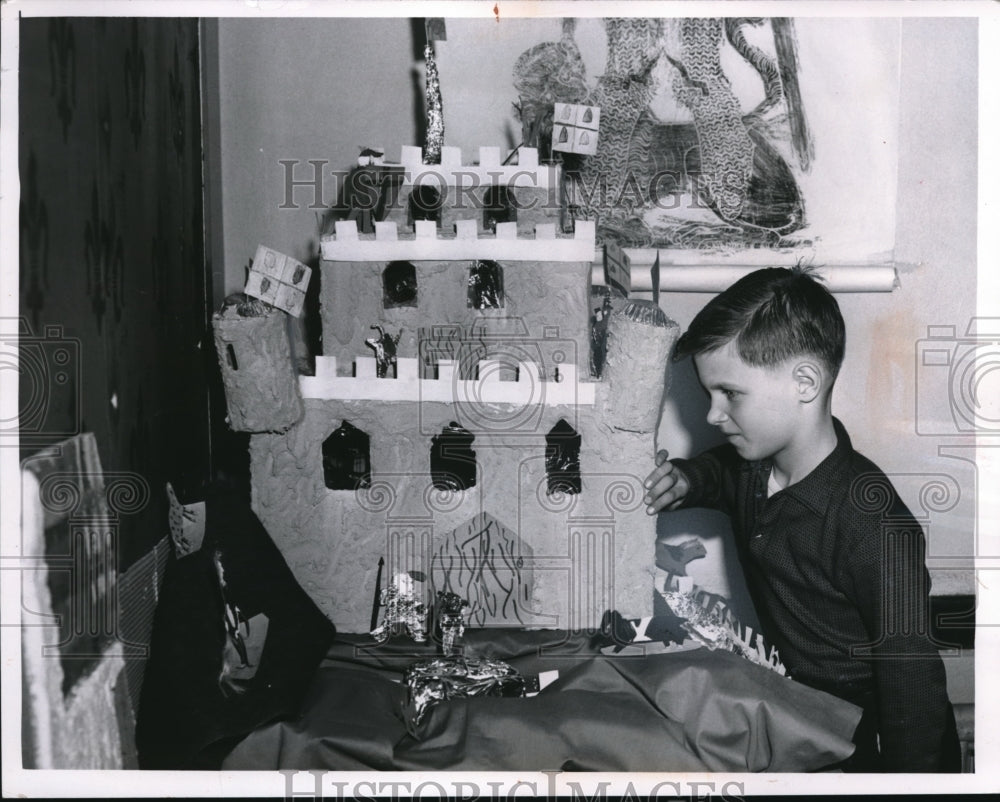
point(245, 305)
point(440, 678)
point(485, 285)
point(645, 311)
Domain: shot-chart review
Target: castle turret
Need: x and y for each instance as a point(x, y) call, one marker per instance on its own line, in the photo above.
point(636, 368)
point(262, 391)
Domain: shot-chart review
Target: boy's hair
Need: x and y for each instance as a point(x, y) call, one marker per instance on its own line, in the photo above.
point(771, 315)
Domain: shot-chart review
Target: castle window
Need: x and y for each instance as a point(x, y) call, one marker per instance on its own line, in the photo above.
point(399, 285)
point(562, 459)
point(346, 459)
point(485, 285)
point(425, 204)
point(453, 462)
point(499, 206)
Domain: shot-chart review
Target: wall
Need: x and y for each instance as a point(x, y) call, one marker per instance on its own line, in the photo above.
point(319, 89)
point(301, 90)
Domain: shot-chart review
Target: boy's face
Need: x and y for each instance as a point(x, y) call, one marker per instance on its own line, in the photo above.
point(757, 408)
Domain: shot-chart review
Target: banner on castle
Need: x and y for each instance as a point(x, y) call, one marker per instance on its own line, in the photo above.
point(617, 269)
point(279, 280)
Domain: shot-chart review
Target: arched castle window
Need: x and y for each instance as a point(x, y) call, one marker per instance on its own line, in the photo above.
point(562, 459)
point(499, 206)
point(399, 285)
point(347, 459)
point(425, 204)
point(453, 462)
point(485, 285)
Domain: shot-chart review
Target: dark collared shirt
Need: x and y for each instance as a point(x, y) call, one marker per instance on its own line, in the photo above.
point(835, 566)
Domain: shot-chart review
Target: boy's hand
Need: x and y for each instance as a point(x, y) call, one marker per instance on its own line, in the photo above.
point(666, 486)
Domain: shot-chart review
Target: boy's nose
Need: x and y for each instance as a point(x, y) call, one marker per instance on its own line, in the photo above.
point(716, 415)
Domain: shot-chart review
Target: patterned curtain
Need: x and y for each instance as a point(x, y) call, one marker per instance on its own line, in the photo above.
point(113, 297)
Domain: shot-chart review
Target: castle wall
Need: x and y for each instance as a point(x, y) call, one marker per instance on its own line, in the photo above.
point(545, 313)
point(462, 187)
point(581, 554)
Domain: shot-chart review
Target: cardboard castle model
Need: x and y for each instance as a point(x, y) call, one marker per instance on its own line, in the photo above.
point(453, 425)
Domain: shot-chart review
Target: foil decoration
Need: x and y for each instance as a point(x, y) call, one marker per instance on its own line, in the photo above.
point(405, 612)
point(435, 115)
point(648, 313)
point(384, 347)
point(451, 621)
point(716, 627)
point(486, 285)
point(441, 678)
point(246, 305)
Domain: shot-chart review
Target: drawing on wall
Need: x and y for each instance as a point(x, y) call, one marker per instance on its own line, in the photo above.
point(717, 135)
point(717, 174)
point(487, 564)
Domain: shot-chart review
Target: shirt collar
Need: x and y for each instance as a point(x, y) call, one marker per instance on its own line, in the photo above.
point(816, 488)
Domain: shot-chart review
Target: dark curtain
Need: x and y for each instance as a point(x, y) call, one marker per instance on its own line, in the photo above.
point(113, 296)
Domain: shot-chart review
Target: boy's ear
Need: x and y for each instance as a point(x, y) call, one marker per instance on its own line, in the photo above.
point(810, 379)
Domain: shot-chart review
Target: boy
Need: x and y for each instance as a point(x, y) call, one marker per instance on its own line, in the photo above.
point(833, 559)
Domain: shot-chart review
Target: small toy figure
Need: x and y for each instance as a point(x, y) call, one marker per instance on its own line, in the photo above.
point(384, 347)
point(404, 612)
point(451, 621)
point(599, 335)
point(486, 285)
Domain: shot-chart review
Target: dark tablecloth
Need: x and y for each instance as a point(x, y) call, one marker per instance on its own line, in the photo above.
point(692, 710)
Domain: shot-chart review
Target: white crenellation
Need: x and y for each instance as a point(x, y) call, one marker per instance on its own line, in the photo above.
point(528, 389)
point(451, 172)
point(428, 243)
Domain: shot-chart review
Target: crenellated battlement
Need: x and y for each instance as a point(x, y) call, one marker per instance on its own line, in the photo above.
point(428, 243)
point(490, 170)
point(529, 388)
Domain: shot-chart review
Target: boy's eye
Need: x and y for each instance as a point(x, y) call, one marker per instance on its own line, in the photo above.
point(730, 394)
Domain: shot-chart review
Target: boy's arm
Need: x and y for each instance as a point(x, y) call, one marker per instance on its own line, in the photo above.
point(708, 480)
point(888, 578)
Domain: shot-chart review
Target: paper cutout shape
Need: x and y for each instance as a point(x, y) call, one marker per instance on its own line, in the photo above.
point(576, 128)
point(279, 280)
point(617, 269)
